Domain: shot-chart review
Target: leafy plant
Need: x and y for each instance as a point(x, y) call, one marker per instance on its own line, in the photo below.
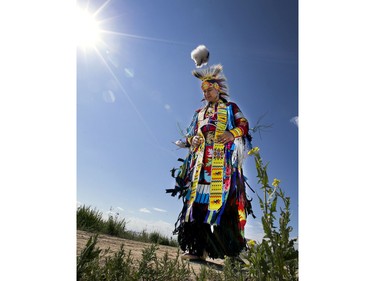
point(120, 266)
point(173, 269)
point(275, 258)
point(88, 260)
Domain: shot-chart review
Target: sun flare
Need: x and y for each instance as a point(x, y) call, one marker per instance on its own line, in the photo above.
point(87, 29)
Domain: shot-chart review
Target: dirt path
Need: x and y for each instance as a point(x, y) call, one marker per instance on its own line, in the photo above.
point(114, 244)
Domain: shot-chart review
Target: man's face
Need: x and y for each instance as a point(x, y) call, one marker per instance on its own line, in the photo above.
point(211, 94)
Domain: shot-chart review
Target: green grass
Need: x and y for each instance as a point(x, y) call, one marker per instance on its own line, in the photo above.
point(89, 219)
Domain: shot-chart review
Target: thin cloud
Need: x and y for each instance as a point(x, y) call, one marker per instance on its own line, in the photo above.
point(294, 120)
point(119, 208)
point(160, 210)
point(144, 210)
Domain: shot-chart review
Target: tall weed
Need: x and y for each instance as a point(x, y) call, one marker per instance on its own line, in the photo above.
point(275, 258)
point(88, 261)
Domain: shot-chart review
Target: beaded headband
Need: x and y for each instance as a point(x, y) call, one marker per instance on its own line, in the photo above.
point(206, 84)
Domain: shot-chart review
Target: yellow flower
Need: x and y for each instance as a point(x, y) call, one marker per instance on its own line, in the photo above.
point(275, 182)
point(254, 150)
point(251, 243)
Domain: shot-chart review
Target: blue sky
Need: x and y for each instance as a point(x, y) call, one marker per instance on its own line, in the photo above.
point(40, 135)
point(135, 89)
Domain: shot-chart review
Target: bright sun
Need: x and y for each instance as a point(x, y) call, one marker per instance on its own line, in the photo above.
point(87, 29)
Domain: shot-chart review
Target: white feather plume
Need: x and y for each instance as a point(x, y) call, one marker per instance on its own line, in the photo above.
point(200, 56)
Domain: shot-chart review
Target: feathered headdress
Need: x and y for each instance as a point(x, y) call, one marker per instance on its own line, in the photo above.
point(213, 76)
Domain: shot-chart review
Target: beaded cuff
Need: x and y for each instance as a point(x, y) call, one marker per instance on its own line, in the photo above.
point(236, 132)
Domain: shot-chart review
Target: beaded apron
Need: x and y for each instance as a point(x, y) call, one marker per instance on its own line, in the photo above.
point(216, 185)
